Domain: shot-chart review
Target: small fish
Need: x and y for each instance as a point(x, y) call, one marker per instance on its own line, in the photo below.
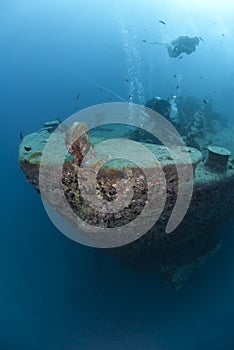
point(110, 99)
point(180, 57)
point(201, 77)
point(144, 41)
point(175, 76)
point(27, 149)
point(205, 102)
point(201, 38)
point(222, 34)
point(76, 97)
point(162, 22)
point(21, 135)
point(177, 87)
point(126, 80)
point(129, 97)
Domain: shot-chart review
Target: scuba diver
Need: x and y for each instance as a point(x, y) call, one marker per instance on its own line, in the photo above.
point(183, 44)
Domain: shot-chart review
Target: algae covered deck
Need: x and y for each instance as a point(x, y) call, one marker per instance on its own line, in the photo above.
point(37, 141)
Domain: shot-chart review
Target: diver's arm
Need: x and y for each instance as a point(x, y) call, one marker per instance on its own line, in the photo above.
point(170, 51)
point(173, 51)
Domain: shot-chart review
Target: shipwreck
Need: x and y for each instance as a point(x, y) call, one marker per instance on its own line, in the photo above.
point(177, 253)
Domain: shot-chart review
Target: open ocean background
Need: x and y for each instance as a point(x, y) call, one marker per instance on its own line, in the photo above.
point(54, 293)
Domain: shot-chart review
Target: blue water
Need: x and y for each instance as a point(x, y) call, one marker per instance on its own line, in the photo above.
point(55, 293)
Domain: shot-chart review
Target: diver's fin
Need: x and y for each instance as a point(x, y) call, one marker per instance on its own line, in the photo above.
point(157, 43)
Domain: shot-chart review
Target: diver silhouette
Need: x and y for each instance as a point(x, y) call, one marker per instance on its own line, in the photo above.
point(183, 44)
